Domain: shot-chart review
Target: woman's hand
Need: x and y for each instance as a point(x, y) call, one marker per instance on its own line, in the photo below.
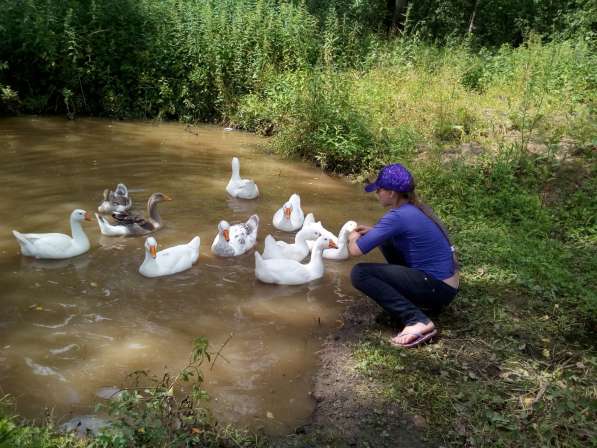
point(362, 229)
point(353, 236)
point(353, 248)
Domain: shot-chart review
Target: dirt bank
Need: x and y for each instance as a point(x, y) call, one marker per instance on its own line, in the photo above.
point(351, 410)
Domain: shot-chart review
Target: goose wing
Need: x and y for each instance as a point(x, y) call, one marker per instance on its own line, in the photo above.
point(43, 242)
point(124, 218)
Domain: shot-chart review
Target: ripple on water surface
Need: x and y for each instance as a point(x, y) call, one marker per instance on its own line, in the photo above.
point(72, 329)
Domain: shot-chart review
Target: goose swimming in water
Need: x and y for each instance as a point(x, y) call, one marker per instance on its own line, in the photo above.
point(290, 216)
point(240, 188)
point(297, 251)
point(56, 245)
point(291, 272)
point(169, 261)
point(341, 252)
point(133, 225)
point(237, 239)
point(116, 201)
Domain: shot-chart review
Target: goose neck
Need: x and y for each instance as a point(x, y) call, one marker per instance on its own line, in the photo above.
point(343, 239)
point(299, 239)
point(78, 233)
point(148, 258)
point(235, 170)
point(152, 212)
point(316, 263)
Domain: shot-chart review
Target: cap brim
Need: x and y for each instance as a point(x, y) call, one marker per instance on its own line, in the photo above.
point(371, 187)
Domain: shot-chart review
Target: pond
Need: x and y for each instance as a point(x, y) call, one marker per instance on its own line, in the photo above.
point(70, 330)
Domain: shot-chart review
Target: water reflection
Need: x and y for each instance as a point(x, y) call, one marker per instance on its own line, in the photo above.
point(72, 327)
point(79, 264)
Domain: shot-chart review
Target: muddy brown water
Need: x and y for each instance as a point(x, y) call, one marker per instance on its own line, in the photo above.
point(70, 330)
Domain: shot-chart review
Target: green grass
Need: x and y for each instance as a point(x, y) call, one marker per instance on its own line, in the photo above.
point(15, 433)
point(516, 364)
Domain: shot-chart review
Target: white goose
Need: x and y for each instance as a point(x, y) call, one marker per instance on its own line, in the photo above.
point(290, 216)
point(310, 221)
point(341, 252)
point(290, 272)
point(297, 251)
point(235, 240)
point(56, 245)
point(241, 188)
point(168, 261)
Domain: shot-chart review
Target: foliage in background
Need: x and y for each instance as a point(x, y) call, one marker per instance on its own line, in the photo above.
point(166, 59)
point(408, 98)
point(487, 23)
point(190, 60)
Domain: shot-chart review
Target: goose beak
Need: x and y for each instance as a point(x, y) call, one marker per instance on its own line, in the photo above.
point(167, 198)
point(226, 234)
point(153, 250)
point(332, 245)
point(87, 217)
point(287, 212)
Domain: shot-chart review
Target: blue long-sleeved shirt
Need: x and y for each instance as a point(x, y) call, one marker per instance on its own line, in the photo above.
point(420, 241)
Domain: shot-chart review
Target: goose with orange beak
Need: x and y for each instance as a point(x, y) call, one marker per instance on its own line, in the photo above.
point(56, 245)
point(126, 224)
point(235, 240)
point(169, 261)
point(290, 216)
point(341, 252)
point(291, 272)
point(297, 251)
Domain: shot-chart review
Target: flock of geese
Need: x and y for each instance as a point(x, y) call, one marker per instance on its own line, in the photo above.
point(280, 263)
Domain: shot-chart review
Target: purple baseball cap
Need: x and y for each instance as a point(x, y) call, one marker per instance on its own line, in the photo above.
point(393, 177)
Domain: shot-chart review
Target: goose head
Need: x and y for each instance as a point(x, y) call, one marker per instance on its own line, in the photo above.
point(324, 242)
point(348, 227)
point(224, 229)
point(309, 219)
point(158, 197)
point(151, 246)
point(106, 203)
point(287, 210)
point(294, 202)
point(311, 232)
point(80, 215)
point(121, 190)
point(318, 226)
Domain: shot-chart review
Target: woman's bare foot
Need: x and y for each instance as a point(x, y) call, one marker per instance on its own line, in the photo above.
point(409, 333)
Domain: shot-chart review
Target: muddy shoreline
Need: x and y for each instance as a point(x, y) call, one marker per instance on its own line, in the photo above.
point(351, 410)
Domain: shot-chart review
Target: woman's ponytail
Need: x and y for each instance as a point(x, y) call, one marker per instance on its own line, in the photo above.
point(413, 199)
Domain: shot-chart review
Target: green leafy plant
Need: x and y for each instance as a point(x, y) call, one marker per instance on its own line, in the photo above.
point(164, 412)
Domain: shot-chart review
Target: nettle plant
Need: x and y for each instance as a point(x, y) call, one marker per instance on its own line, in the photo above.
point(163, 411)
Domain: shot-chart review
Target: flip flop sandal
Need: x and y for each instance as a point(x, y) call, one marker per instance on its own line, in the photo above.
point(421, 339)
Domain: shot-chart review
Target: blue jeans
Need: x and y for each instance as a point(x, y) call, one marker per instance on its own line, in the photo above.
point(400, 290)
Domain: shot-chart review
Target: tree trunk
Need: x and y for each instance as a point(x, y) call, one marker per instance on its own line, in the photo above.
point(471, 25)
point(399, 6)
